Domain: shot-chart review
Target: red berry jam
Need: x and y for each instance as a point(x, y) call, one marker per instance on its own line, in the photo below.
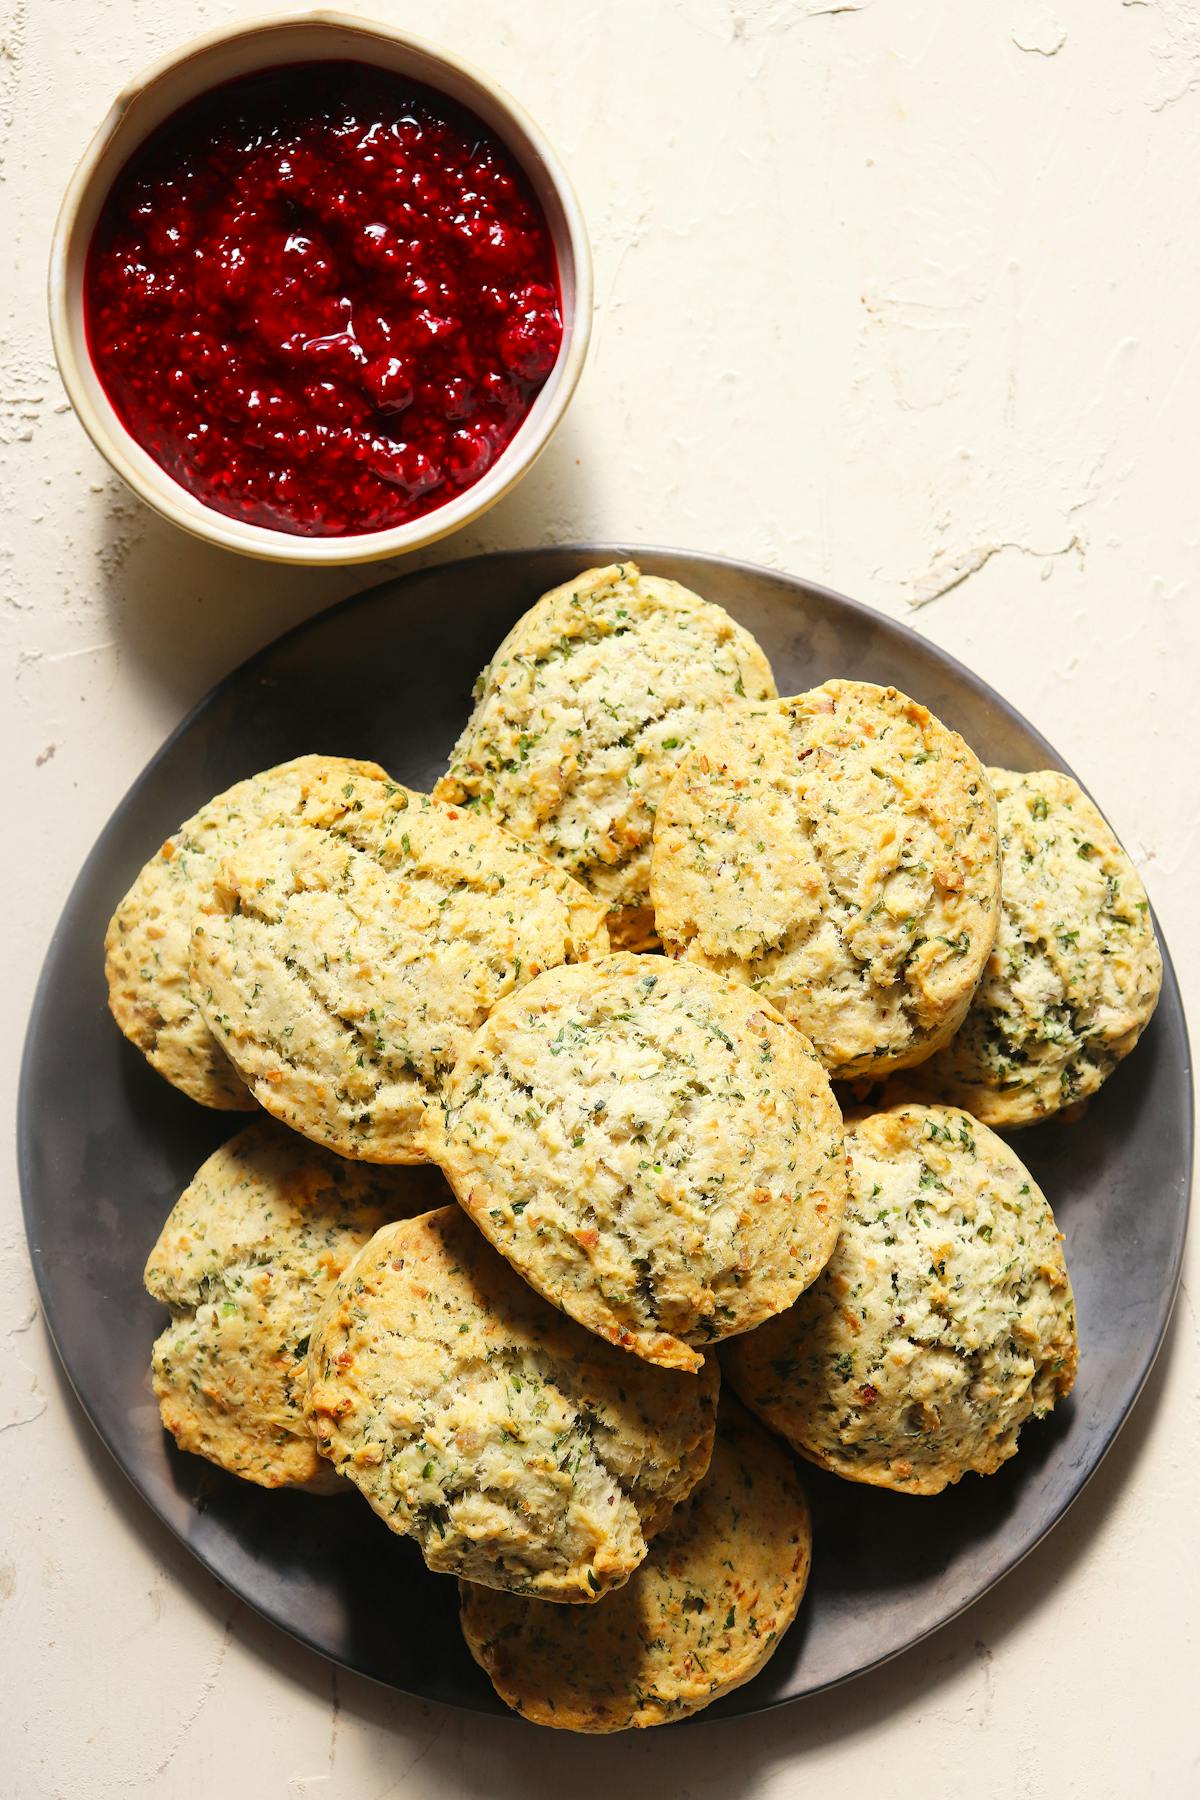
point(323, 299)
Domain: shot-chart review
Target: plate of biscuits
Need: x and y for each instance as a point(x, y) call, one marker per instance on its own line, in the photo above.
point(606, 1133)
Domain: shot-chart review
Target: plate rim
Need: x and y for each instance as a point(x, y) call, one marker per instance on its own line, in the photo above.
point(607, 551)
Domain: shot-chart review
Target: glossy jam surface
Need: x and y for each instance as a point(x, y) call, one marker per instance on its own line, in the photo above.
point(323, 299)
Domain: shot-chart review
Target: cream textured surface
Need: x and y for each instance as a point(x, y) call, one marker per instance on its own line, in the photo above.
point(901, 295)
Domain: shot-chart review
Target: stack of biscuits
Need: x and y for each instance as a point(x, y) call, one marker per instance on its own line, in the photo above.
point(660, 1246)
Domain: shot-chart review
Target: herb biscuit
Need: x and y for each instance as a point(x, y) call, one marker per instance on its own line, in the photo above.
point(652, 1146)
point(700, 1617)
point(1075, 974)
point(150, 991)
point(516, 1449)
point(582, 716)
point(343, 969)
point(942, 1322)
point(838, 851)
point(250, 1252)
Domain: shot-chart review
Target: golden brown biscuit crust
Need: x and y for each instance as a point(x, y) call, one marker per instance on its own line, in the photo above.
point(583, 715)
point(701, 1616)
point(245, 1261)
point(837, 851)
point(147, 946)
point(652, 1147)
point(943, 1320)
point(516, 1449)
point(344, 968)
point(1075, 973)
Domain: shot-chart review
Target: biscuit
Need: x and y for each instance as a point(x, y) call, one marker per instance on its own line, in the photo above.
point(942, 1322)
point(701, 1616)
point(652, 1147)
point(343, 969)
point(249, 1253)
point(516, 1449)
point(582, 716)
point(150, 991)
point(838, 851)
point(1075, 974)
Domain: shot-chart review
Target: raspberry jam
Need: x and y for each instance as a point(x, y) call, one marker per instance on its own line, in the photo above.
point(323, 298)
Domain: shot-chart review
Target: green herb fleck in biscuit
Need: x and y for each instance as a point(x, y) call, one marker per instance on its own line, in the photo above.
point(838, 852)
point(1075, 974)
point(701, 1616)
point(150, 992)
point(943, 1320)
point(249, 1254)
point(583, 715)
point(343, 969)
point(652, 1147)
point(516, 1449)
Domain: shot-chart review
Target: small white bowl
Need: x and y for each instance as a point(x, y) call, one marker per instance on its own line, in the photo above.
point(240, 49)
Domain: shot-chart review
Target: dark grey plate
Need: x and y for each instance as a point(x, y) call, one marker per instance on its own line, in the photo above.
point(105, 1147)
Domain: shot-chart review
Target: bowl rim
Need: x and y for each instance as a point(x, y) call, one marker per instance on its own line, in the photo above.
point(159, 489)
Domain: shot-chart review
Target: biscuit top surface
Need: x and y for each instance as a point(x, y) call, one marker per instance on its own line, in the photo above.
point(942, 1321)
point(343, 968)
point(702, 1614)
point(837, 849)
point(245, 1260)
point(146, 948)
point(583, 714)
point(1075, 973)
point(652, 1146)
point(516, 1448)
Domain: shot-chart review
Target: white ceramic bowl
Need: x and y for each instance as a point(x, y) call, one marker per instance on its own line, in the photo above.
point(241, 49)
